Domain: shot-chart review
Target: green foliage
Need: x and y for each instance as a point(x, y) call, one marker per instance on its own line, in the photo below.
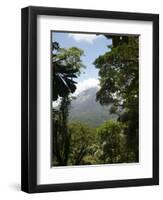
point(112, 142)
point(66, 64)
point(71, 58)
point(61, 134)
point(118, 71)
point(82, 144)
point(119, 81)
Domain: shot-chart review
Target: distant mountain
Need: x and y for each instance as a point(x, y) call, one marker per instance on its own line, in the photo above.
point(86, 109)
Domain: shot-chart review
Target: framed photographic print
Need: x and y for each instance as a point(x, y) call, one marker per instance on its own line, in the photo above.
point(90, 99)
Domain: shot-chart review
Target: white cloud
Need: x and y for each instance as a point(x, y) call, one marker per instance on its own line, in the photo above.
point(89, 38)
point(84, 85)
point(56, 103)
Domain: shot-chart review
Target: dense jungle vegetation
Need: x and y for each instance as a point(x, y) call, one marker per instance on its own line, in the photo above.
point(115, 140)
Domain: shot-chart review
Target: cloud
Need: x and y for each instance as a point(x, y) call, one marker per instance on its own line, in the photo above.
point(84, 85)
point(89, 38)
point(56, 103)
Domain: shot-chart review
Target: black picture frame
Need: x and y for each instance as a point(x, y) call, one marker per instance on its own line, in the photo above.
point(29, 99)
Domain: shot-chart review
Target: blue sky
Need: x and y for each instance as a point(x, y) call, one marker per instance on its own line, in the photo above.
point(93, 46)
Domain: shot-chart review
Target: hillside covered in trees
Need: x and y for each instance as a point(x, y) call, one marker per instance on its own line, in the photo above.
point(100, 125)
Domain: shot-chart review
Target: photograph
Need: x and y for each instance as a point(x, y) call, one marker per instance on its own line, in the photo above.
point(94, 98)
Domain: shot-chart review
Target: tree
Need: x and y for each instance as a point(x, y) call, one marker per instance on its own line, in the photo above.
point(119, 76)
point(82, 144)
point(66, 66)
point(61, 135)
point(112, 142)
